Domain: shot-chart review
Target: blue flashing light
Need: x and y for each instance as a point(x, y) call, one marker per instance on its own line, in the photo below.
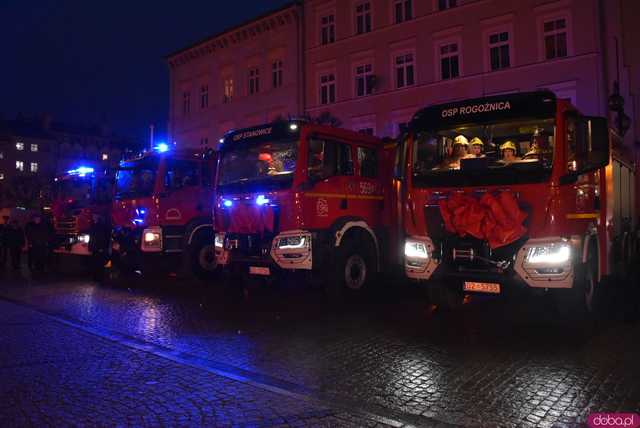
point(227, 203)
point(262, 200)
point(162, 147)
point(138, 221)
point(82, 171)
point(141, 212)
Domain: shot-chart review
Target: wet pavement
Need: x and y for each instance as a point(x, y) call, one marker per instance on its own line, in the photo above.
point(174, 352)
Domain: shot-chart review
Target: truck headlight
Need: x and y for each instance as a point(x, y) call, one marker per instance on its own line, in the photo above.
point(291, 242)
point(415, 250)
point(84, 238)
point(218, 241)
point(152, 239)
point(551, 254)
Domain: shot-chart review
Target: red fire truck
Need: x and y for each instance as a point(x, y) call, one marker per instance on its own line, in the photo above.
point(161, 212)
point(511, 190)
point(293, 196)
point(78, 196)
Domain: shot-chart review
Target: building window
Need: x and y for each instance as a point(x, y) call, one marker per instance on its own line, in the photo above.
point(328, 88)
point(404, 70)
point(186, 102)
point(449, 61)
point(1, 175)
point(34, 147)
point(277, 73)
point(364, 80)
point(204, 96)
point(228, 90)
point(105, 156)
point(555, 38)
point(20, 165)
point(19, 146)
point(446, 4)
point(34, 167)
point(499, 50)
point(254, 80)
point(327, 29)
point(403, 10)
point(368, 161)
point(363, 18)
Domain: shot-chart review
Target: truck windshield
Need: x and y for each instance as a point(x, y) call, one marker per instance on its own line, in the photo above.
point(500, 153)
point(75, 190)
point(136, 178)
point(263, 164)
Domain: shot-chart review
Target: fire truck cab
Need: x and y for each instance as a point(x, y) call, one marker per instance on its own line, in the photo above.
point(294, 196)
point(545, 199)
point(161, 212)
point(79, 194)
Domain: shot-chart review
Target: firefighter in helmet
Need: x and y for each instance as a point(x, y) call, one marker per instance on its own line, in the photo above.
point(537, 144)
point(508, 149)
point(460, 146)
point(476, 148)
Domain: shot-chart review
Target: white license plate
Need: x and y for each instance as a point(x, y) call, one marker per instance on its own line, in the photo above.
point(482, 287)
point(258, 270)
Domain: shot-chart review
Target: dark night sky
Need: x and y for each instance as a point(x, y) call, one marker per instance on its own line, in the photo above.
point(86, 60)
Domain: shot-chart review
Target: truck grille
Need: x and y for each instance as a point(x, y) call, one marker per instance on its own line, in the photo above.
point(67, 225)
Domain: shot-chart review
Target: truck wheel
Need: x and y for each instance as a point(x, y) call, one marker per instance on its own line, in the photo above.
point(581, 301)
point(444, 297)
point(354, 268)
point(203, 258)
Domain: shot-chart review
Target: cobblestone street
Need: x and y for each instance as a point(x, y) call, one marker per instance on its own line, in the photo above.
point(170, 352)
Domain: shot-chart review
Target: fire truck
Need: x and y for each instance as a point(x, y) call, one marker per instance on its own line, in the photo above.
point(294, 196)
point(515, 190)
point(79, 194)
point(161, 213)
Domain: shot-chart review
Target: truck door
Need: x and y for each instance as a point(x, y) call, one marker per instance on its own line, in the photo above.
point(330, 170)
point(365, 190)
point(182, 199)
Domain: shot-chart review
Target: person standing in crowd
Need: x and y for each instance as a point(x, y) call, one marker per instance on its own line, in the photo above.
point(100, 237)
point(14, 238)
point(37, 241)
point(3, 245)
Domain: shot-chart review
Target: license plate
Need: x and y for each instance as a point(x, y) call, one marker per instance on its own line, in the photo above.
point(482, 287)
point(257, 270)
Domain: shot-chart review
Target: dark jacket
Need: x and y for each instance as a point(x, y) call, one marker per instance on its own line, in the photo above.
point(37, 234)
point(14, 237)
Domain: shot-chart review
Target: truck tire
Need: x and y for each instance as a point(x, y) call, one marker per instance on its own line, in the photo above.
point(581, 302)
point(202, 257)
point(444, 297)
point(353, 270)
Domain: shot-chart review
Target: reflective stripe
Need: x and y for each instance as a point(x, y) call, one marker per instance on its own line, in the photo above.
point(585, 216)
point(342, 196)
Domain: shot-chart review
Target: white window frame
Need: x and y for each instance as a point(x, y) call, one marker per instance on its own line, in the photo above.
point(394, 67)
point(562, 14)
point(332, 24)
point(228, 89)
point(394, 16)
point(33, 167)
point(487, 33)
point(356, 75)
point(186, 102)
point(19, 146)
point(357, 14)
point(277, 73)
point(20, 165)
point(1, 175)
point(204, 96)
point(254, 77)
point(436, 5)
point(438, 56)
point(34, 147)
point(327, 84)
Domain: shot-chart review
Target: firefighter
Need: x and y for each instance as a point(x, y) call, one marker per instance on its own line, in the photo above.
point(508, 149)
point(476, 148)
point(537, 143)
point(100, 238)
point(37, 241)
point(4, 226)
point(460, 145)
point(14, 239)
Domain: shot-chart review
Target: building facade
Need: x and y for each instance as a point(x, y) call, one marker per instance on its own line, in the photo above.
point(34, 150)
point(250, 74)
point(373, 63)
